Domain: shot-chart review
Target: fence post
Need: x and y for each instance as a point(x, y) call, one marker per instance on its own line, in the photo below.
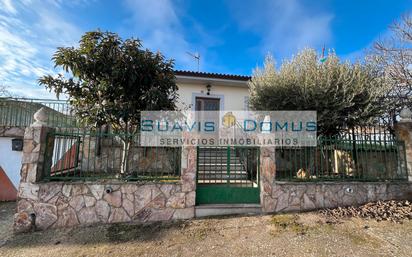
point(37, 149)
point(403, 132)
point(37, 154)
point(267, 178)
point(188, 162)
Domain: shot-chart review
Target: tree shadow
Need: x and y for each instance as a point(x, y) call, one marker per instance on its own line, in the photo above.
point(95, 234)
point(123, 232)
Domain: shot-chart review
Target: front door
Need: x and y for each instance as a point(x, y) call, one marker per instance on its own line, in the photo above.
point(207, 109)
point(207, 104)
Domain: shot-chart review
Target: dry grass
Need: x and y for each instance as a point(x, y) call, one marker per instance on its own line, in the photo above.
point(306, 234)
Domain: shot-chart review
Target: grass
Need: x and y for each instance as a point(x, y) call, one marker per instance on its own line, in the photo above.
point(288, 222)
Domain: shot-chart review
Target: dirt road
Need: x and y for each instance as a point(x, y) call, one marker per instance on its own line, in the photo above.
point(307, 234)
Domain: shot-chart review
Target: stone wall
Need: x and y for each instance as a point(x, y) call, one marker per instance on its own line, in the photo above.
point(6, 131)
point(58, 204)
point(42, 205)
point(305, 196)
point(278, 196)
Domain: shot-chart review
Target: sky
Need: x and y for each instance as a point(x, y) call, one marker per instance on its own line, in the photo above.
point(231, 36)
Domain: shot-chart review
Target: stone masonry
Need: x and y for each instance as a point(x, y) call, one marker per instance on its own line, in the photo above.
point(279, 196)
point(42, 205)
point(306, 196)
point(403, 132)
point(6, 131)
point(58, 204)
point(267, 177)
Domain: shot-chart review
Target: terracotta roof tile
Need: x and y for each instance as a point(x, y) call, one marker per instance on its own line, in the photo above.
point(211, 75)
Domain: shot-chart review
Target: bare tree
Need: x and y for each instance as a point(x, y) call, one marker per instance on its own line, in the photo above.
point(3, 91)
point(394, 56)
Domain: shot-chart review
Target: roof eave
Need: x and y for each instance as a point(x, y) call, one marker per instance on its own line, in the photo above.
point(212, 81)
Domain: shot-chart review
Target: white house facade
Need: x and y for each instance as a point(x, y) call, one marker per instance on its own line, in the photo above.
point(212, 91)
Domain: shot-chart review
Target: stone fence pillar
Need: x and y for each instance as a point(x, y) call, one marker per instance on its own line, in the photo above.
point(37, 155)
point(403, 132)
point(188, 178)
point(37, 150)
point(267, 178)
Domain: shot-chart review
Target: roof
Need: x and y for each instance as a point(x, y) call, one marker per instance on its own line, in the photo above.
point(211, 75)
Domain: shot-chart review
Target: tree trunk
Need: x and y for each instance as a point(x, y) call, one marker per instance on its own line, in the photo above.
point(125, 156)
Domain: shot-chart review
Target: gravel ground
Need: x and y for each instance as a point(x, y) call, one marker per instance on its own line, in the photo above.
point(395, 211)
point(307, 234)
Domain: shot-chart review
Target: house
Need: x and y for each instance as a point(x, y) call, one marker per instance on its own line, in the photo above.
point(202, 91)
point(166, 183)
point(197, 91)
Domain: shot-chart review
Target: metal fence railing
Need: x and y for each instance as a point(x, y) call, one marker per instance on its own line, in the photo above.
point(363, 158)
point(364, 153)
point(89, 155)
point(18, 112)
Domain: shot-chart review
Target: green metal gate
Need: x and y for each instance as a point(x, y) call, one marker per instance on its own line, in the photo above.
point(227, 175)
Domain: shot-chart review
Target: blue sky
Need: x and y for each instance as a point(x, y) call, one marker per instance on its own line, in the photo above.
point(231, 36)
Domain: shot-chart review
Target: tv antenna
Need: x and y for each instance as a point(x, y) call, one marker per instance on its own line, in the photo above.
point(323, 57)
point(197, 57)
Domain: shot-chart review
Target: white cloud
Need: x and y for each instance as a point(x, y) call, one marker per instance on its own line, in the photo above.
point(157, 23)
point(30, 31)
point(7, 6)
point(65, 3)
point(284, 26)
point(20, 90)
point(28, 36)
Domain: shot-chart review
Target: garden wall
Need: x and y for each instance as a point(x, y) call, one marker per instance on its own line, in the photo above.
point(42, 205)
point(9, 131)
point(278, 196)
point(64, 204)
point(306, 196)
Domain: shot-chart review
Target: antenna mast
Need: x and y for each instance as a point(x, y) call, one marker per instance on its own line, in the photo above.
point(197, 57)
point(323, 57)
